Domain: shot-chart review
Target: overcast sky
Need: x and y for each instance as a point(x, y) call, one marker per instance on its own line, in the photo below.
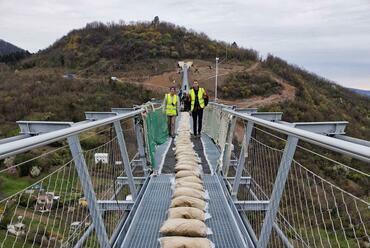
point(328, 37)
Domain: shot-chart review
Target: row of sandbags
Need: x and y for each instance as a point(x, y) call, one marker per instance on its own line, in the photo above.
point(185, 225)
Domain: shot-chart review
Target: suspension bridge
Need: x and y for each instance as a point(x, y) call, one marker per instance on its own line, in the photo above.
point(108, 184)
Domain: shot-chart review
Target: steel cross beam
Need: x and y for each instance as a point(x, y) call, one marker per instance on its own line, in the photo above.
point(125, 180)
point(277, 191)
point(88, 189)
point(113, 205)
point(243, 180)
point(40, 127)
point(326, 128)
point(268, 116)
point(94, 116)
point(122, 110)
point(251, 205)
point(246, 110)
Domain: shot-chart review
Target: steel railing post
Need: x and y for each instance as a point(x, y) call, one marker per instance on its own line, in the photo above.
point(88, 189)
point(140, 144)
point(125, 159)
point(281, 177)
point(228, 146)
point(242, 157)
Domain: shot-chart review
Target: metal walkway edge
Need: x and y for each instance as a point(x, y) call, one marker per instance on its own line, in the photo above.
point(151, 212)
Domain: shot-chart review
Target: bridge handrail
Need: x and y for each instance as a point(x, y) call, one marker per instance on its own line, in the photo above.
point(30, 143)
point(360, 152)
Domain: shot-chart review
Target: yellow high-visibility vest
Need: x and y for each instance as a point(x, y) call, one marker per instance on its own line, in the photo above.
point(201, 92)
point(171, 104)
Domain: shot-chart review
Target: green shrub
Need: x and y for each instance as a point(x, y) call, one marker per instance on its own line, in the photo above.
point(243, 85)
point(25, 158)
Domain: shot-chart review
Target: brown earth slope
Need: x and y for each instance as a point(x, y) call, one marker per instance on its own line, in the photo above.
point(204, 72)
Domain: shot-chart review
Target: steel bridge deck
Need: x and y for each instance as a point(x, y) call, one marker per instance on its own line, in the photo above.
point(151, 212)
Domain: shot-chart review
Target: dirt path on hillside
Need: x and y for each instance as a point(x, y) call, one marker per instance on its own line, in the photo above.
point(205, 75)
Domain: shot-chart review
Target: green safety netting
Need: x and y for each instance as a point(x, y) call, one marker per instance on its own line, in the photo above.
point(157, 132)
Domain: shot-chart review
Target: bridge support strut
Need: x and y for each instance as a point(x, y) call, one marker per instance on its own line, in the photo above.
point(88, 189)
point(281, 177)
point(125, 159)
point(243, 155)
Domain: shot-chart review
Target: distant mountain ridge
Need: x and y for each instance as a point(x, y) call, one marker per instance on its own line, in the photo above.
point(361, 92)
point(8, 48)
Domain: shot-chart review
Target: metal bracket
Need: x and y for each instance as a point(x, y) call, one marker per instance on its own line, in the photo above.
point(40, 127)
point(122, 110)
point(268, 116)
point(246, 110)
point(94, 116)
point(112, 205)
point(125, 180)
point(243, 180)
point(251, 205)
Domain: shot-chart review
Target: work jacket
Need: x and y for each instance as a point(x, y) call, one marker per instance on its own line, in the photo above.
point(171, 103)
point(201, 93)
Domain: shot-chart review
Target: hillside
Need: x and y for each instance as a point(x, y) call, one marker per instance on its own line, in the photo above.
point(10, 54)
point(361, 92)
point(100, 48)
point(8, 48)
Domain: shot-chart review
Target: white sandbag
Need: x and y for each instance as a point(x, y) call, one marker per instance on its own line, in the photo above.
point(187, 173)
point(187, 160)
point(185, 191)
point(186, 213)
point(187, 201)
point(185, 242)
point(191, 179)
point(186, 152)
point(185, 227)
point(186, 155)
point(196, 186)
point(185, 167)
point(191, 163)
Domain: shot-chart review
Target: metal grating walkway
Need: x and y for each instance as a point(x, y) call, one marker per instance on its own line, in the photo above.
point(144, 229)
point(226, 233)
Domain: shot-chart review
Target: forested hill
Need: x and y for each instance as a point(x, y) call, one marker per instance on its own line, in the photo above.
point(8, 48)
point(115, 46)
point(11, 54)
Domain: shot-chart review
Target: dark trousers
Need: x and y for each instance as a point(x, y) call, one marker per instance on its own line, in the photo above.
point(171, 121)
point(197, 119)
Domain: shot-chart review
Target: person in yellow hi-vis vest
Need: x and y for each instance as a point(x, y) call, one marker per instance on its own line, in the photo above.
point(198, 99)
point(171, 107)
